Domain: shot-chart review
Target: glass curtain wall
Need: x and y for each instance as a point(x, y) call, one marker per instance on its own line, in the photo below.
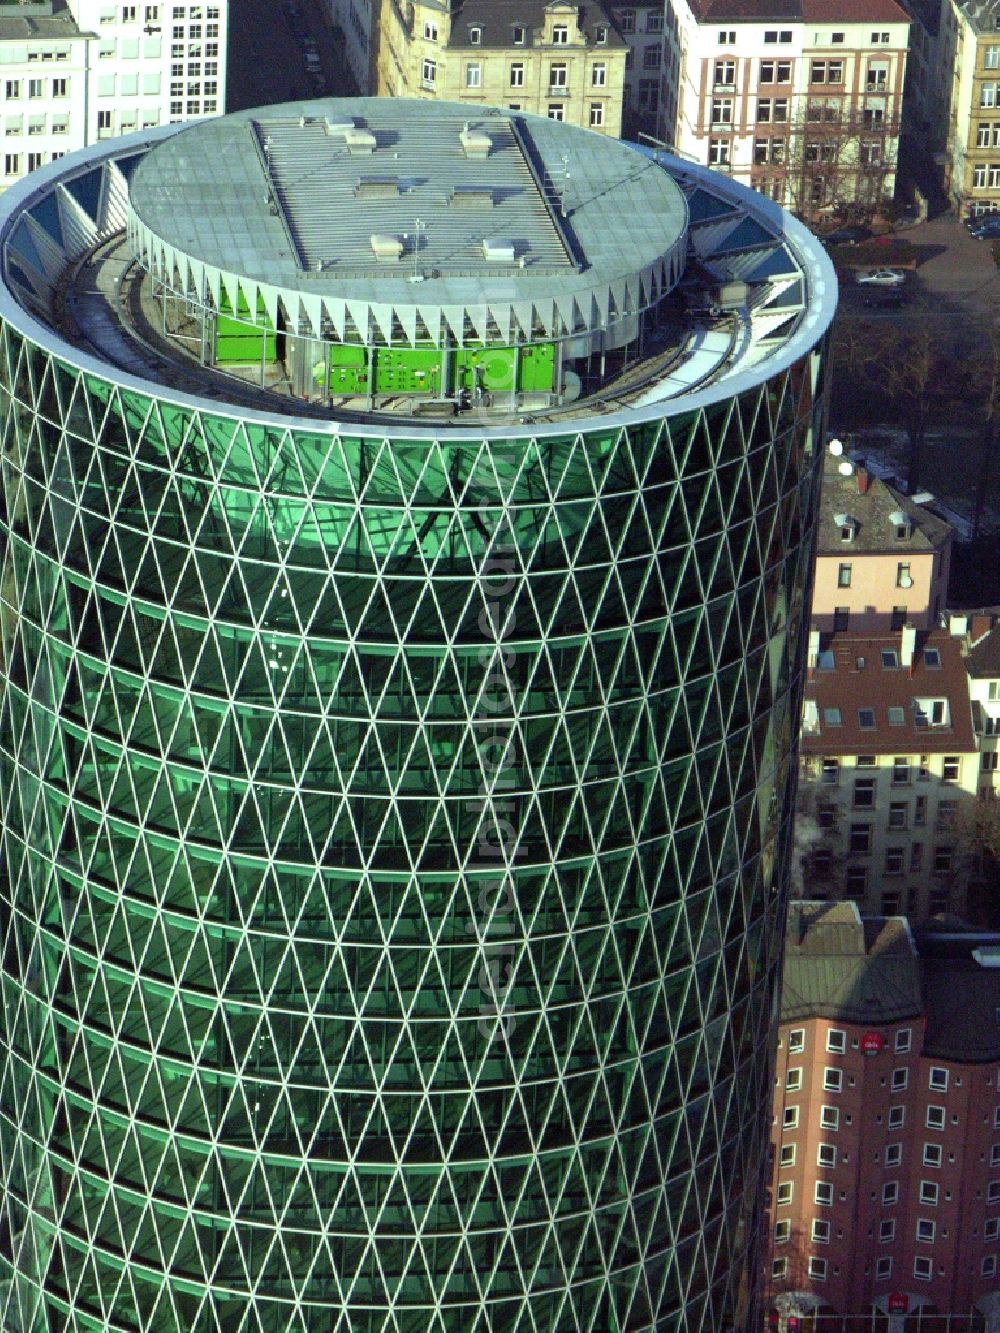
point(393, 832)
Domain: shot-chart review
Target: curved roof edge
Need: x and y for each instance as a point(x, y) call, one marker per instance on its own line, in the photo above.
point(738, 208)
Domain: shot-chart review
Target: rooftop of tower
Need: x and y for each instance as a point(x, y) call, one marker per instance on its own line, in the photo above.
point(397, 209)
point(297, 197)
point(332, 230)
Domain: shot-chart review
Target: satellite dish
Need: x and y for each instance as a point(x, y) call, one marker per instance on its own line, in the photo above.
point(836, 447)
point(846, 469)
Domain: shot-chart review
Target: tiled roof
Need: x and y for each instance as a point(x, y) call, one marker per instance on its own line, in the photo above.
point(808, 11)
point(496, 19)
point(962, 998)
point(872, 511)
point(983, 658)
point(856, 680)
point(854, 11)
point(840, 966)
point(747, 11)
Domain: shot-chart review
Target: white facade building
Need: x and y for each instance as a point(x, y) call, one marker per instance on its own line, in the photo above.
point(805, 108)
point(93, 70)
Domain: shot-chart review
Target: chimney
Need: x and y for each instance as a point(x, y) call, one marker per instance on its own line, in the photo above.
point(981, 625)
point(907, 644)
point(864, 479)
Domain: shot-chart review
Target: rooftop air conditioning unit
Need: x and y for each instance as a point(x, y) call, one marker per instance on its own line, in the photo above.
point(387, 249)
point(500, 252)
point(360, 143)
point(475, 143)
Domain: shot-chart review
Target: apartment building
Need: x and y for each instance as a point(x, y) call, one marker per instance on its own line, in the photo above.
point(93, 70)
point(882, 560)
point(564, 61)
point(890, 773)
point(358, 21)
point(642, 26)
point(982, 661)
point(956, 103)
point(801, 102)
point(885, 1182)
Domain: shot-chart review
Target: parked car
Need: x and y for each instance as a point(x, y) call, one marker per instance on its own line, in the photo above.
point(985, 227)
point(847, 236)
point(882, 277)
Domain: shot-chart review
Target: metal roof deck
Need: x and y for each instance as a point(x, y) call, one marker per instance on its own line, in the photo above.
point(266, 207)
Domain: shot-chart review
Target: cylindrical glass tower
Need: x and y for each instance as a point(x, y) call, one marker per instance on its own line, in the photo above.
point(394, 814)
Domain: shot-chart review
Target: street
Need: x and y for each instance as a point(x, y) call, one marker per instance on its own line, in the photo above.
point(956, 280)
point(267, 58)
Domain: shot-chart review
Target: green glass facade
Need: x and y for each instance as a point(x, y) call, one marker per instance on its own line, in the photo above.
point(394, 834)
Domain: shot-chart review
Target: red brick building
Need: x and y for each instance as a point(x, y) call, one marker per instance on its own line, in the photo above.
point(886, 1170)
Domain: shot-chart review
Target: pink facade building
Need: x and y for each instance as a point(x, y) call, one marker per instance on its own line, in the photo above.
point(882, 560)
point(885, 1190)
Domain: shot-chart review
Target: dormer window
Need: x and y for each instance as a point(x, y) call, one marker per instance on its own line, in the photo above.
point(601, 36)
point(560, 34)
point(930, 712)
point(903, 525)
point(475, 36)
point(518, 34)
point(932, 657)
point(848, 526)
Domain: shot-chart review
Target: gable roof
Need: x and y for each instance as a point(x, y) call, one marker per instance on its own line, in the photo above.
point(873, 511)
point(853, 678)
point(496, 20)
point(842, 966)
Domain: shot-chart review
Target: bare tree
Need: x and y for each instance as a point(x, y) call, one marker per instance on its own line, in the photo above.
point(838, 162)
point(908, 369)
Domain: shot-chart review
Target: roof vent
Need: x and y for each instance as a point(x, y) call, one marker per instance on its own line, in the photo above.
point(337, 126)
point(377, 187)
point(387, 249)
point(500, 252)
point(475, 143)
point(360, 143)
point(472, 196)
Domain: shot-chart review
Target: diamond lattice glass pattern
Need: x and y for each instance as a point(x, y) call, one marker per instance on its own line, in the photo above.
point(392, 841)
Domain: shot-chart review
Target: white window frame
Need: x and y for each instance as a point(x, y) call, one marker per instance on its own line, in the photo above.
point(829, 1118)
point(836, 1041)
point(826, 1154)
point(937, 1079)
point(823, 1194)
point(929, 1193)
point(796, 1040)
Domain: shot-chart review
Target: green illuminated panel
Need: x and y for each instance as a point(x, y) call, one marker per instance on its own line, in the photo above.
point(393, 837)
